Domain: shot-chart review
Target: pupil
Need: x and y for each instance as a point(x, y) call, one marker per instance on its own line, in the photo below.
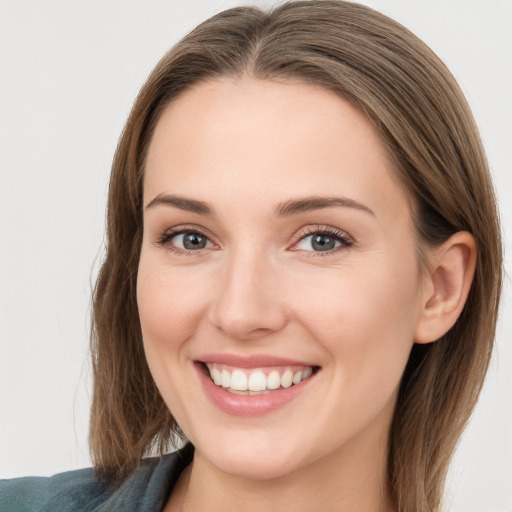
point(323, 243)
point(194, 241)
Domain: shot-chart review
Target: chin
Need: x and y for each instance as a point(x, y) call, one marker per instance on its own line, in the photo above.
point(255, 466)
point(252, 460)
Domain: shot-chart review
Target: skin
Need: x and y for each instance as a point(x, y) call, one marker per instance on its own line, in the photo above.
point(245, 147)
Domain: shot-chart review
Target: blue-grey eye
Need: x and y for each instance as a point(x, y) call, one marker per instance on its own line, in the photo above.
point(319, 242)
point(190, 241)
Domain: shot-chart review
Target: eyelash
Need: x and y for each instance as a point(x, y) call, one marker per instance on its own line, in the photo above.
point(340, 236)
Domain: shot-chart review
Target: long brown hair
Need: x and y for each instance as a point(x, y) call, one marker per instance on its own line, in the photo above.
point(396, 80)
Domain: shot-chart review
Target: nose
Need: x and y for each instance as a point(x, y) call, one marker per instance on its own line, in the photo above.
point(248, 304)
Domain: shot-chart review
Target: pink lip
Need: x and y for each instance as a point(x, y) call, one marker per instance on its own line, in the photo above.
point(252, 361)
point(245, 405)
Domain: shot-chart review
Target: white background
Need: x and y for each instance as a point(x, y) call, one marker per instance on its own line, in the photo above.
point(69, 72)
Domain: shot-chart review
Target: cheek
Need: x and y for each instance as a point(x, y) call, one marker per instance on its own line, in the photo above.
point(169, 311)
point(381, 296)
point(364, 317)
point(170, 308)
point(168, 304)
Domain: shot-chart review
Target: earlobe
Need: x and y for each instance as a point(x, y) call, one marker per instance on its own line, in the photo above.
point(446, 287)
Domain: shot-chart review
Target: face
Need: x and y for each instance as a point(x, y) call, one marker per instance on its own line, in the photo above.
point(278, 255)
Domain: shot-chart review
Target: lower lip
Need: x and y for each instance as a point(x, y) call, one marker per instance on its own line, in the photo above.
point(246, 405)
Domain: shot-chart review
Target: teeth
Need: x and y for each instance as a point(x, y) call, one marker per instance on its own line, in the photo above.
point(226, 379)
point(216, 376)
point(273, 380)
point(287, 379)
point(255, 381)
point(239, 381)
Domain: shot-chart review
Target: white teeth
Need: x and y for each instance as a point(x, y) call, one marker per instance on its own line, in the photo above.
point(216, 376)
point(257, 382)
point(239, 381)
point(287, 379)
point(273, 380)
point(226, 379)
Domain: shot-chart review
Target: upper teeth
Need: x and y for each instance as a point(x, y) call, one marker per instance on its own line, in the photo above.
point(238, 379)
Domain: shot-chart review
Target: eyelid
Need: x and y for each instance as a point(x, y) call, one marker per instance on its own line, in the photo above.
point(165, 237)
point(346, 240)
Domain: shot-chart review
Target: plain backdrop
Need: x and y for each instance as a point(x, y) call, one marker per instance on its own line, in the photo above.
point(69, 72)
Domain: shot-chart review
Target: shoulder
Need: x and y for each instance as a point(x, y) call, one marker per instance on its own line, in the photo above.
point(77, 489)
point(146, 489)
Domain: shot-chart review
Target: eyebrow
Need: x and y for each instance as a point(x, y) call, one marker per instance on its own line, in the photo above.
point(286, 209)
point(297, 206)
point(183, 203)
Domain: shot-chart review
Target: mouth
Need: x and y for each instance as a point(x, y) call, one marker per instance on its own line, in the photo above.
point(257, 381)
point(254, 385)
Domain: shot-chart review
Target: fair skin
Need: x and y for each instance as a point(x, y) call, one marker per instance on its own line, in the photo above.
point(335, 285)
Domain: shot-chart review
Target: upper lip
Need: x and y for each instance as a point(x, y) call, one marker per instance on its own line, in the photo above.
point(251, 361)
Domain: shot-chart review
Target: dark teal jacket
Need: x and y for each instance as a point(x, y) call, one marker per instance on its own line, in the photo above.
point(147, 489)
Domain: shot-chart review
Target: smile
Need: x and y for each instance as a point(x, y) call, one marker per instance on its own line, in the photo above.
point(257, 381)
point(254, 385)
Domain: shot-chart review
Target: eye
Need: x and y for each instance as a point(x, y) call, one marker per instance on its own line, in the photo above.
point(323, 240)
point(185, 241)
point(190, 241)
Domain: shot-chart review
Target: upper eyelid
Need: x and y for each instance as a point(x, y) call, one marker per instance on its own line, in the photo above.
point(311, 230)
point(187, 228)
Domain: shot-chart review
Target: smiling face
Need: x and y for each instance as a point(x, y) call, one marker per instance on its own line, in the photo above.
point(278, 253)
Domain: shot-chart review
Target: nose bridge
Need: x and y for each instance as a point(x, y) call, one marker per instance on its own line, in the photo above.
point(246, 305)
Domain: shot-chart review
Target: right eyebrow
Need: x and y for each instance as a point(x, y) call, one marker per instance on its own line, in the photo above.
point(183, 203)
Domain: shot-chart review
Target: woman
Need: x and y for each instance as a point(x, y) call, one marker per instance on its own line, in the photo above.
point(302, 274)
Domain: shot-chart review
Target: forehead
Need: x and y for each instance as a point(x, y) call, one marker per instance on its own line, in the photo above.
point(263, 140)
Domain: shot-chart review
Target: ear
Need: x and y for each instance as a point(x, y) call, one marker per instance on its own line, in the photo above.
point(446, 286)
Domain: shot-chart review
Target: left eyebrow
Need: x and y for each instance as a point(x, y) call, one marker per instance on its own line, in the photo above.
point(297, 206)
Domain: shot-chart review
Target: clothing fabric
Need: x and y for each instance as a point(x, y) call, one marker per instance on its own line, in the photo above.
point(147, 489)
